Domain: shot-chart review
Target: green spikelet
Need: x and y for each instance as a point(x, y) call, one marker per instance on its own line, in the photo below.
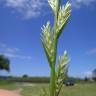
point(53, 4)
point(50, 37)
point(61, 71)
point(48, 43)
point(63, 17)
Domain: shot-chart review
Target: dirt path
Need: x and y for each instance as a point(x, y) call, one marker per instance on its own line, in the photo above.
point(9, 93)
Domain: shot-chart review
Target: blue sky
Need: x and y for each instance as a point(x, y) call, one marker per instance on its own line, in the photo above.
point(20, 29)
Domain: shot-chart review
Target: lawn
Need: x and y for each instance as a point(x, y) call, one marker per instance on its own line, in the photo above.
point(85, 89)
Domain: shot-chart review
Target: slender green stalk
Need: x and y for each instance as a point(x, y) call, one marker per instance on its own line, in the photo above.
point(52, 81)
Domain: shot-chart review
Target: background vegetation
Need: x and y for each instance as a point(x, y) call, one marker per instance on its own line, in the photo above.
point(34, 89)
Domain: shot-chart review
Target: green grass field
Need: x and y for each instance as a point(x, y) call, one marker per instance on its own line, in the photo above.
point(84, 89)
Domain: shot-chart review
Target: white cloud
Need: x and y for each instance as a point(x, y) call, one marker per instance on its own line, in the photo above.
point(88, 74)
point(5, 48)
point(34, 8)
point(12, 52)
point(2, 45)
point(27, 8)
point(92, 52)
point(11, 55)
point(79, 3)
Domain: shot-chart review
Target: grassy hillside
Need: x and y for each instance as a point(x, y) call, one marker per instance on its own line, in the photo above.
point(77, 90)
point(33, 89)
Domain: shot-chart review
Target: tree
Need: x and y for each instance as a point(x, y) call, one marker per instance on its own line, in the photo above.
point(25, 76)
point(50, 37)
point(94, 74)
point(4, 63)
point(86, 79)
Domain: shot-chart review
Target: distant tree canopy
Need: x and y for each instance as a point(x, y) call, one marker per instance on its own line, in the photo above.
point(4, 63)
point(94, 74)
point(25, 76)
point(86, 78)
